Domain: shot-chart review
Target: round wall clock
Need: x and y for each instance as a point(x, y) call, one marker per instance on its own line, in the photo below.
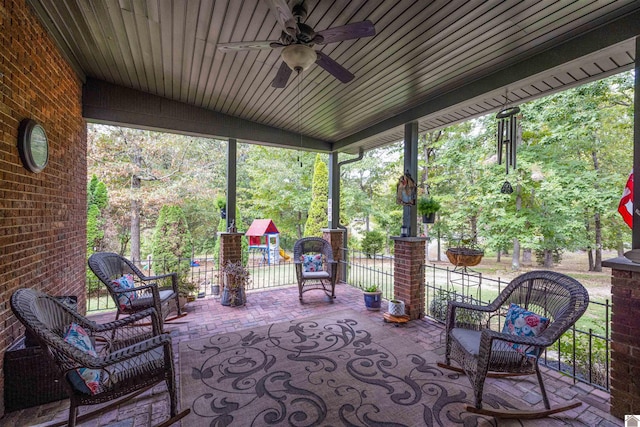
point(33, 145)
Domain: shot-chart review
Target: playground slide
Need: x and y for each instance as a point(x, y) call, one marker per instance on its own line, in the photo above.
point(284, 255)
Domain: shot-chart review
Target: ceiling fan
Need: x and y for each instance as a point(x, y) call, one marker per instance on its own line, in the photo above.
point(297, 40)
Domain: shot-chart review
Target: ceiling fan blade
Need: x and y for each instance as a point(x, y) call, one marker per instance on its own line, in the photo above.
point(283, 15)
point(337, 70)
point(282, 77)
point(234, 46)
point(347, 32)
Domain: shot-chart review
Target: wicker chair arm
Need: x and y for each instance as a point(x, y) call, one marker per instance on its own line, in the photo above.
point(136, 349)
point(174, 279)
point(489, 335)
point(125, 321)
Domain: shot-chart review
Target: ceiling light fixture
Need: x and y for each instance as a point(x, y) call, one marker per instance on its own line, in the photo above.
point(298, 56)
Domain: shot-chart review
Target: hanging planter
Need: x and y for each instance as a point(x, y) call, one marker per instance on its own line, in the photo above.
point(464, 257)
point(427, 207)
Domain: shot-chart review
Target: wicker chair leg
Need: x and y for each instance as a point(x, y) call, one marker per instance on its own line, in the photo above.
point(545, 399)
point(73, 414)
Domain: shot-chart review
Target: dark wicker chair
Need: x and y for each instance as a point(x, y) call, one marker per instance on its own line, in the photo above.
point(131, 358)
point(475, 341)
point(324, 280)
point(109, 266)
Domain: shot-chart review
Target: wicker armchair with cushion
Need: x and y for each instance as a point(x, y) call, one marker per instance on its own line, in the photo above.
point(99, 363)
point(315, 267)
point(131, 290)
point(507, 337)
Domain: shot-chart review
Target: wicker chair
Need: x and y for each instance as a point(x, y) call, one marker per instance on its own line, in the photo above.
point(109, 266)
point(129, 358)
point(475, 341)
point(325, 279)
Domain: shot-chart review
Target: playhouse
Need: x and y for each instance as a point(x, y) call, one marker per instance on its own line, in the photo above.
point(265, 238)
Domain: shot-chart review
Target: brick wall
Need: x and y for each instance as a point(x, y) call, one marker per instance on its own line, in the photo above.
point(42, 216)
point(625, 345)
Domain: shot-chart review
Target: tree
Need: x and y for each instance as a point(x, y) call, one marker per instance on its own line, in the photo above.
point(96, 202)
point(318, 219)
point(172, 245)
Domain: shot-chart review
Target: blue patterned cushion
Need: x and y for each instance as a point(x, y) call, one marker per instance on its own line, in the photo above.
point(123, 283)
point(311, 263)
point(524, 323)
point(83, 379)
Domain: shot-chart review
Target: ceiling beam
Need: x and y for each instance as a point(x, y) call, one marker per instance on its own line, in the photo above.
point(107, 103)
point(581, 45)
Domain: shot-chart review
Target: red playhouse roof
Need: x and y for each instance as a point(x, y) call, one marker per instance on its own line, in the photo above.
point(260, 227)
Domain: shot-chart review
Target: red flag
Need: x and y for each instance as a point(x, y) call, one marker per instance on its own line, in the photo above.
point(626, 202)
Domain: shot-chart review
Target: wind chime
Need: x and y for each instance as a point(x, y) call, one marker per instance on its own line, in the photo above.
point(507, 141)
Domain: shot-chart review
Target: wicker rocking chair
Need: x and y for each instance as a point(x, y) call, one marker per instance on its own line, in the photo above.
point(109, 267)
point(128, 359)
point(475, 341)
point(323, 279)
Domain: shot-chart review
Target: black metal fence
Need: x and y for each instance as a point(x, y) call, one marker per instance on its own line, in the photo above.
point(204, 276)
point(583, 353)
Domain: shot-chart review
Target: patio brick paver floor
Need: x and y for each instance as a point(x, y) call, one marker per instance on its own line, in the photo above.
point(207, 317)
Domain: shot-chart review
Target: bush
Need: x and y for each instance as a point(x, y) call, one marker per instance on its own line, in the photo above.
point(372, 243)
point(172, 245)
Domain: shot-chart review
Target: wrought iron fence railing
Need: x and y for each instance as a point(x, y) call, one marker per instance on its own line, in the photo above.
point(204, 275)
point(361, 270)
point(583, 353)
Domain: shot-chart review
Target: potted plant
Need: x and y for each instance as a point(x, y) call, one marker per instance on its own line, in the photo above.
point(186, 291)
point(236, 279)
point(427, 207)
point(372, 297)
point(396, 307)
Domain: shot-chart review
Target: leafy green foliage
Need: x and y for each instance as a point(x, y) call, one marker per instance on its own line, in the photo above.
point(372, 243)
point(317, 219)
point(172, 245)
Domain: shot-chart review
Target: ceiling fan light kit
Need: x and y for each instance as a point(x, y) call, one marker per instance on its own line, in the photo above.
point(297, 41)
point(298, 56)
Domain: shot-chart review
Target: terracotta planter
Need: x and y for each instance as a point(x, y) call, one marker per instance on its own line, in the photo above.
point(464, 257)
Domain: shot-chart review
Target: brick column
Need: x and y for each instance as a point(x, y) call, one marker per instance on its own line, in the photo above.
point(625, 330)
point(230, 250)
point(336, 238)
point(408, 276)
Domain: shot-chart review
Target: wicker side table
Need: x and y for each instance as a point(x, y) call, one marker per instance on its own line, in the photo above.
point(30, 378)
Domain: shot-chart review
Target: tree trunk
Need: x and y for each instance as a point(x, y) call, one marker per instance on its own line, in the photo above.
point(597, 265)
point(590, 257)
point(548, 258)
point(526, 257)
point(135, 219)
point(620, 248)
point(498, 255)
point(515, 258)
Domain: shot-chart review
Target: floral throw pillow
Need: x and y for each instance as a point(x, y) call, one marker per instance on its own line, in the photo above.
point(122, 284)
point(83, 379)
point(524, 323)
point(311, 263)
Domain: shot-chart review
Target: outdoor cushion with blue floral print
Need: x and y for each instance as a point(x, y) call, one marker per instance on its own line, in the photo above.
point(524, 323)
point(122, 284)
point(311, 263)
point(83, 379)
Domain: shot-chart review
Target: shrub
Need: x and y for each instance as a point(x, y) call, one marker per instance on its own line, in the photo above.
point(172, 245)
point(372, 243)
